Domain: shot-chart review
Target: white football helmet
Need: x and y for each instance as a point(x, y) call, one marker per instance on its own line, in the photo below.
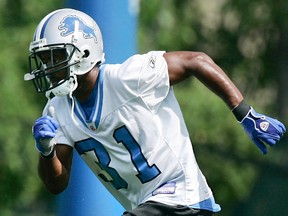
point(77, 36)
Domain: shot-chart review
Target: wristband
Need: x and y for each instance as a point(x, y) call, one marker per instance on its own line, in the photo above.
point(51, 155)
point(241, 110)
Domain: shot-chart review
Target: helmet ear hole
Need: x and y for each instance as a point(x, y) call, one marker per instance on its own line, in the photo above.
point(86, 53)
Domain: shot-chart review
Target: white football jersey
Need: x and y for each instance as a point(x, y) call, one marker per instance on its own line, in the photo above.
point(135, 140)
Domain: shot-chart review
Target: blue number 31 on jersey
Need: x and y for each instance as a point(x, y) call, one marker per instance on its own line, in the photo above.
point(122, 136)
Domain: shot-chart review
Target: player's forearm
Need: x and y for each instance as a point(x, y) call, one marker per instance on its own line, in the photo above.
point(53, 174)
point(212, 76)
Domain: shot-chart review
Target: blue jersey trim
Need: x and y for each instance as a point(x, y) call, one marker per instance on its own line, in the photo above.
point(91, 115)
point(101, 86)
point(208, 204)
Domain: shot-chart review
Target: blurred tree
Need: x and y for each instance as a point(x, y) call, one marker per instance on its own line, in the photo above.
point(20, 188)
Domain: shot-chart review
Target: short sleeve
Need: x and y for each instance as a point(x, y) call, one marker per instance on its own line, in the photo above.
point(154, 80)
point(144, 76)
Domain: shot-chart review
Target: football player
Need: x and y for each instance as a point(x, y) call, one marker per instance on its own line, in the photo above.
point(124, 120)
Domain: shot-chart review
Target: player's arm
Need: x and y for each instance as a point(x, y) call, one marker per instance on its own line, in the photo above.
point(55, 159)
point(182, 65)
point(55, 171)
point(260, 128)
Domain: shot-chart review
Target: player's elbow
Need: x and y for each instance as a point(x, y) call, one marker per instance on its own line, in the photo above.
point(199, 63)
point(201, 59)
point(56, 188)
point(56, 191)
point(194, 63)
point(56, 185)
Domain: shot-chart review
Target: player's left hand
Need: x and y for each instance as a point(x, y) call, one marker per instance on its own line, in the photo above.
point(262, 129)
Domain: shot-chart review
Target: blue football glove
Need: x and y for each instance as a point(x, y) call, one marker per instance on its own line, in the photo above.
point(44, 130)
point(262, 129)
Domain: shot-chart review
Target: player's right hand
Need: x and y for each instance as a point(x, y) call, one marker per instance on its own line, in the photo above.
point(44, 130)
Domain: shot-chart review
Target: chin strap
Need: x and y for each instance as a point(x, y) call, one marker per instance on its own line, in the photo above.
point(72, 109)
point(73, 101)
point(49, 95)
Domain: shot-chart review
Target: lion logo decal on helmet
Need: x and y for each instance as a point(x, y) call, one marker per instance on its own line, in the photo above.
point(67, 27)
